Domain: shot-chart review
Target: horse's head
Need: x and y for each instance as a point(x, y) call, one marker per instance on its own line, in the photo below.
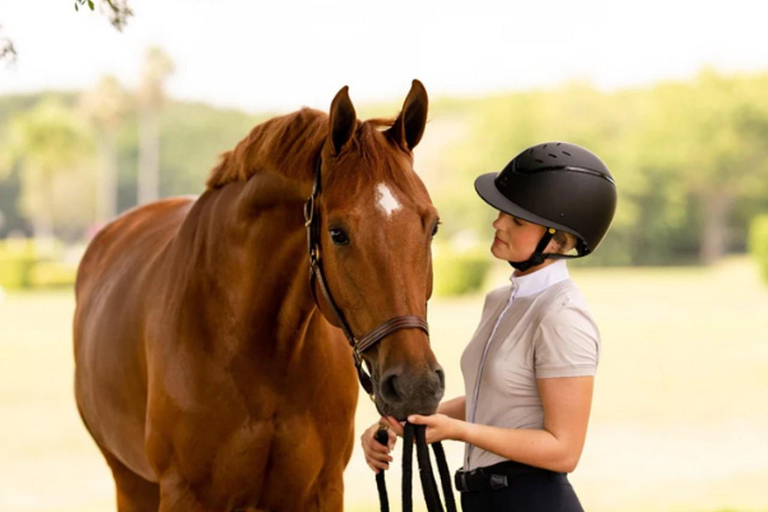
point(376, 227)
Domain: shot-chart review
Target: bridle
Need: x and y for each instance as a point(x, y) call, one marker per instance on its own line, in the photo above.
point(312, 223)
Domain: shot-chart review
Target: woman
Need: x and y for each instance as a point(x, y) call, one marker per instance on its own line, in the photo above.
point(529, 368)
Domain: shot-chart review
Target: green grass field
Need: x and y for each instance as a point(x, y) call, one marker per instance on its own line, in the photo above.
point(679, 421)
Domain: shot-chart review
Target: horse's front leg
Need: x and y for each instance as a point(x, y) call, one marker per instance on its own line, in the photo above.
point(330, 496)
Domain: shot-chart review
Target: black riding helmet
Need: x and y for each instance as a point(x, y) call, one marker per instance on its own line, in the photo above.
point(560, 186)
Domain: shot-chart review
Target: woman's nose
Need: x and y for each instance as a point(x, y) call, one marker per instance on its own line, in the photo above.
point(497, 223)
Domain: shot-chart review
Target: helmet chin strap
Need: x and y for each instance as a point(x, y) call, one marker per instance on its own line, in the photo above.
point(538, 256)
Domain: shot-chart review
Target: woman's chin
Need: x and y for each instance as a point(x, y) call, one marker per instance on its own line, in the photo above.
point(497, 249)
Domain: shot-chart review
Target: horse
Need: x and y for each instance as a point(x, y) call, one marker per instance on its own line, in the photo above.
point(211, 373)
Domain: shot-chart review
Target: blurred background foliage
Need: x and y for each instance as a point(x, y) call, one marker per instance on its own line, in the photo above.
point(689, 158)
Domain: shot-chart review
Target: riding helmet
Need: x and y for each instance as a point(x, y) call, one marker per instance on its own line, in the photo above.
point(558, 185)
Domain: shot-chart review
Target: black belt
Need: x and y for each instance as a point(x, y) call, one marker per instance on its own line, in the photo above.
point(494, 477)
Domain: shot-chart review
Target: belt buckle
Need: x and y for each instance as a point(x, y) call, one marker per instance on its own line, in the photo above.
point(498, 482)
point(460, 480)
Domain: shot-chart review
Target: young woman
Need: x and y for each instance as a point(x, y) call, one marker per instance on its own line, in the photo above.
point(529, 368)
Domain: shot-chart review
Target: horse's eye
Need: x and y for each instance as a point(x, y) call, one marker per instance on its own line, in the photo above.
point(434, 230)
point(339, 237)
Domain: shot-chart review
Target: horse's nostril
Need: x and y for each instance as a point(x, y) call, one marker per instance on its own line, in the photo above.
point(441, 378)
point(389, 388)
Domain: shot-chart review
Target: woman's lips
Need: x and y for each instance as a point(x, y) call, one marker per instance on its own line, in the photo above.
point(499, 240)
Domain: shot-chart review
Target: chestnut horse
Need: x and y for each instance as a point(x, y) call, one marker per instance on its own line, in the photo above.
point(207, 372)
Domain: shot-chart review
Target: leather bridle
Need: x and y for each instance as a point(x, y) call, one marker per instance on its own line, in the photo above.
point(312, 223)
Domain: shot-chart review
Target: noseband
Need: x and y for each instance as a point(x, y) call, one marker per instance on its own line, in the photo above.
point(312, 223)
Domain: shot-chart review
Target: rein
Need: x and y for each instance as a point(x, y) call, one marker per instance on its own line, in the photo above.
point(428, 484)
point(316, 273)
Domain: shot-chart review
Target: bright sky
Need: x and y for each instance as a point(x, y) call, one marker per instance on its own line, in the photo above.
point(283, 54)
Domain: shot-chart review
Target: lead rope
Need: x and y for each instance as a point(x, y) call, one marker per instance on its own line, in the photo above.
point(428, 484)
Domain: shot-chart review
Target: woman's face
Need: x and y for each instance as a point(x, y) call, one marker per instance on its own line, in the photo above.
point(515, 239)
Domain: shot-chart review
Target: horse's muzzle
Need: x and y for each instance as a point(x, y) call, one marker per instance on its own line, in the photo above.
point(401, 393)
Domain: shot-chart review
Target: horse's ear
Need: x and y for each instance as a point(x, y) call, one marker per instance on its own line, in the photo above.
point(409, 125)
point(342, 120)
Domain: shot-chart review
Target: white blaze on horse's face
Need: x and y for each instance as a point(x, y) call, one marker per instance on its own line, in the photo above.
point(386, 201)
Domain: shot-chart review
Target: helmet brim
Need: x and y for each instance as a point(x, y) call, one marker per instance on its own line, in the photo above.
point(486, 189)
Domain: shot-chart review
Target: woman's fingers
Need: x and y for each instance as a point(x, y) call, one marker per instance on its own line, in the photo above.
point(376, 454)
point(395, 425)
point(377, 460)
point(380, 457)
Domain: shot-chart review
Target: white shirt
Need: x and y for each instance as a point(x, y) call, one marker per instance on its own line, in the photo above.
point(537, 327)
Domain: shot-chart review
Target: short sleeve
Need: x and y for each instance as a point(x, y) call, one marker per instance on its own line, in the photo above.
point(566, 344)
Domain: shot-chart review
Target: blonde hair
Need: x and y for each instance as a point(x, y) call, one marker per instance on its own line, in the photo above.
point(565, 241)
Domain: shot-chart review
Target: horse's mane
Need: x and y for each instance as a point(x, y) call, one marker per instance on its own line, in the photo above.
point(289, 145)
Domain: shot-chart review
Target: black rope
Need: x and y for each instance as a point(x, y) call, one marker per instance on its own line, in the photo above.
point(431, 494)
point(383, 438)
point(445, 476)
point(408, 468)
point(425, 471)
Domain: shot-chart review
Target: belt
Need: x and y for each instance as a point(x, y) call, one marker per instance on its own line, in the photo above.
point(494, 477)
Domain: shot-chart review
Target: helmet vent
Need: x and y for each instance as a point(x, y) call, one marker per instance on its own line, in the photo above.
point(540, 161)
point(566, 153)
point(553, 156)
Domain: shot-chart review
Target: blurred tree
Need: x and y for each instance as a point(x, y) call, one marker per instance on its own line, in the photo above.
point(105, 107)
point(47, 143)
point(7, 50)
point(157, 67)
point(710, 136)
point(689, 159)
point(117, 10)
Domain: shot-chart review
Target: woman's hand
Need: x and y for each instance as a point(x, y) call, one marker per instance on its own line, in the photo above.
point(394, 425)
point(377, 455)
point(439, 427)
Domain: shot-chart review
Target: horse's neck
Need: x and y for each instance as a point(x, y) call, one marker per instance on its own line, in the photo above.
point(246, 260)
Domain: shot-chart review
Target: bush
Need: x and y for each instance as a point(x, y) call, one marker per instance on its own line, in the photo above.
point(758, 243)
point(17, 258)
point(52, 274)
point(27, 264)
point(459, 272)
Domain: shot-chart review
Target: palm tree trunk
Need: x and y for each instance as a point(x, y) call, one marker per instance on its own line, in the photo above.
point(107, 200)
point(149, 156)
point(717, 206)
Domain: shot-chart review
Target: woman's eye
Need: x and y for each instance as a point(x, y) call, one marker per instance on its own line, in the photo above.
point(339, 237)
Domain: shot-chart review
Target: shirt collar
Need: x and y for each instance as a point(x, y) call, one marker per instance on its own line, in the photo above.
point(537, 281)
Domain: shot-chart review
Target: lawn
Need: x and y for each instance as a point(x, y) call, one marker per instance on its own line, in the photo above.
point(679, 420)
